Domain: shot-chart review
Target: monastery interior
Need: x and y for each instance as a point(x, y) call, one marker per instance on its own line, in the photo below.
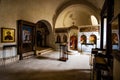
point(60, 39)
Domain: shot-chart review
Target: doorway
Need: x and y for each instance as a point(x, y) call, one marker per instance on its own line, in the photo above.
point(39, 39)
point(42, 33)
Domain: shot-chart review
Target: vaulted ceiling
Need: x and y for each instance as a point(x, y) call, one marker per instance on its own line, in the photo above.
point(59, 13)
point(79, 12)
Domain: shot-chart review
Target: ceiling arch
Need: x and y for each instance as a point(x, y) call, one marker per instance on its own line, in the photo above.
point(67, 12)
point(45, 24)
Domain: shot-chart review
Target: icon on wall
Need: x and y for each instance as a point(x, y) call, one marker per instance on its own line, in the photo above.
point(114, 38)
point(83, 39)
point(93, 39)
point(26, 34)
point(73, 42)
point(7, 35)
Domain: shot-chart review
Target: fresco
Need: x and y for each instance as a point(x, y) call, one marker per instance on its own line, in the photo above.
point(83, 39)
point(73, 42)
point(93, 39)
point(114, 38)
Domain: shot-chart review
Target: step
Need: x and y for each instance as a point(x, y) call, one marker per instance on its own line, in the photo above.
point(44, 51)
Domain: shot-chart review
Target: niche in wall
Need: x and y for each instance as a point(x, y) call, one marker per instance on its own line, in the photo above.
point(93, 39)
point(114, 38)
point(61, 35)
point(88, 38)
point(65, 38)
point(73, 42)
point(83, 39)
point(58, 39)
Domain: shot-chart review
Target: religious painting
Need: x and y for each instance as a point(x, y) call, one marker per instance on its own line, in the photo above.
point(7, 35)
point(73, 42)
point(93, 39)
point(83, 39)
point(114, 38)
point(26, 36)
point(116, 33)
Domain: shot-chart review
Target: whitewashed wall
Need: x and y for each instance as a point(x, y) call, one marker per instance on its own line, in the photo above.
point(8, 55)
point(87, 48)
point(57, 47)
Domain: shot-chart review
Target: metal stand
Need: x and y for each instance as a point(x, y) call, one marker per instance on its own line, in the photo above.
point(63, 52)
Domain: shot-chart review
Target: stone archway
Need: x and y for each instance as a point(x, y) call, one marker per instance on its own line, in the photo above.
point(42, 32)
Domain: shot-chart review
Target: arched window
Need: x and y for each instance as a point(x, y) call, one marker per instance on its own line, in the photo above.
point(83, 39)
point(94, 20)
point(93, 39)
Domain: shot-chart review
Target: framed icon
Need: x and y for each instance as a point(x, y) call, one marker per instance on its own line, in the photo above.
point(7, 35)
point(25, 37)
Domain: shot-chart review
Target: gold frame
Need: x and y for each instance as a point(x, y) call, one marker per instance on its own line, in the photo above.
point(7, 35)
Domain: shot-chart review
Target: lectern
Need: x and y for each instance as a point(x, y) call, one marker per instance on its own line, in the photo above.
point(63, 52)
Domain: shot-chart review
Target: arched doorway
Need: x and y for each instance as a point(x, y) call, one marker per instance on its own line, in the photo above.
point(39, 39)
point(114, 38)
point(58, 39)
point(42, 33)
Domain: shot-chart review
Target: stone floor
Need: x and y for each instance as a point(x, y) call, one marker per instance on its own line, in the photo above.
point(48, 67)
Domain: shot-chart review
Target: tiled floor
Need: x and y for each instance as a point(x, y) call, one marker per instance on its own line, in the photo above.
point(48, 67)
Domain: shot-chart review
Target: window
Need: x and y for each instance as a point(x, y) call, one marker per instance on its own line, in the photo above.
point(94, 20)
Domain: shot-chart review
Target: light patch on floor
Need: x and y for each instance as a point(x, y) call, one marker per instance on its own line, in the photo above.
point(50, 61)
point(48, 67)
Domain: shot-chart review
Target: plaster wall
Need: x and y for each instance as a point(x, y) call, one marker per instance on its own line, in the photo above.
point(29, 10)
point(87, 48)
